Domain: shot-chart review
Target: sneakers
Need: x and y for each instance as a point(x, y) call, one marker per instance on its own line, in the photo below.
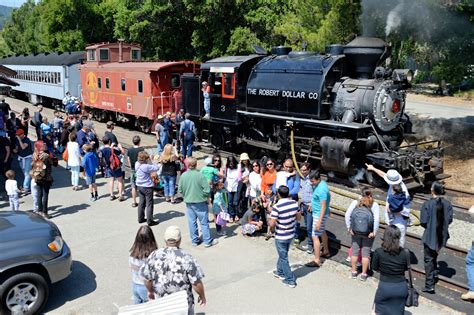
point(92, 199)
point(348, 259)
point(221, 233)
point(214, 242)
point(468, 296)
point(306, 248)
point(354, 275)
point(363, 277)
point(276, 275)
point(428, 290)
point(289, 284)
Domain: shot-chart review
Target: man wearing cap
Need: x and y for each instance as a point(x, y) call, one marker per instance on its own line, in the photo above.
point(206, 93)
point(109, 133)
point(161, 134)
point(195, 190)
point(394, 179)
point(170, 269)
point(24, 149)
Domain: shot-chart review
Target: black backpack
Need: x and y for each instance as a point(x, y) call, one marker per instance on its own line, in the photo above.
point(362, 221)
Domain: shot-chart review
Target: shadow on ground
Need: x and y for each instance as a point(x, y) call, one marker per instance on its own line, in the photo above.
point(79, 283)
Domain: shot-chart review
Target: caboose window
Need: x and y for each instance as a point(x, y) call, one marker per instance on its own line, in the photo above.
point(122, 84)
point(99, 82)
point(103, 54)
point(135, 54)
point(91, 55)
point(228, 82)
point(175, 82)
point(140, 86)
point(107, 83)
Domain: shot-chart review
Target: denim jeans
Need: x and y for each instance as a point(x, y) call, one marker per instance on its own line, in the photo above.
point(140, 293)
point(43, 196)
point(25, 164)
point(308, 219)
point(283, 265)
point(470, 269)
point(187, 149)
point(169, 182)
point(198, 211)
point(233, 200)
point(145, 200)
point(75, 171)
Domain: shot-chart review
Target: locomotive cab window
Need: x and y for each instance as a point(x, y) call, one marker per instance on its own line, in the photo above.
point(135, 54)
point(107, 83)
point(140, 86)
point(91, 55)
point(228, 83)
point(175, 80)
point(99, 82)
point(103, 54)
point(122, 84)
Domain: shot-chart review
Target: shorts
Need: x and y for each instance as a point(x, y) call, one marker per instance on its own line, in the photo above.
point(322, 227)
point(133, 179)
point(90, 180)
point(113, 173)
point(361, 242)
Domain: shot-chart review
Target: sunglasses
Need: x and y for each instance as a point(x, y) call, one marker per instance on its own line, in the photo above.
point(268, 164)
point(256, 165)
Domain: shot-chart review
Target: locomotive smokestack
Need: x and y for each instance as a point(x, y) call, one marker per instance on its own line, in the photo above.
point(364, 54)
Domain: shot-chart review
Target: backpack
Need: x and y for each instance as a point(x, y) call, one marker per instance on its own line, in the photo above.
point(362, 221)
point(114, 161)
point(38, 170)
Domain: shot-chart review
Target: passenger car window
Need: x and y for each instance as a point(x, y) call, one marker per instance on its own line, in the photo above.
point(107, 83)
point(122, 84)
point(91, 55)
point(99, 82)
point(135, 54)
point(103, 54)
point(175, 80)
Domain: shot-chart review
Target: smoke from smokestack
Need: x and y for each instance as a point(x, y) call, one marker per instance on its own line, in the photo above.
point(394, 19)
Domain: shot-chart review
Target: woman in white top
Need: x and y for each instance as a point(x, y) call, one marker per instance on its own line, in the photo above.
point(143, 246)
point(233, 176)
point(255, 181)
point(74, 160)
point(246, 168)
point(362, 241)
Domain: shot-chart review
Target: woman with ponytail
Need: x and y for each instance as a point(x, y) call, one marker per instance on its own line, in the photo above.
point(436, 215)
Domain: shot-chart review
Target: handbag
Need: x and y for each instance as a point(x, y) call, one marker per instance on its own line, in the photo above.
point(412, 298)
point(220, 220)
point(65, 155)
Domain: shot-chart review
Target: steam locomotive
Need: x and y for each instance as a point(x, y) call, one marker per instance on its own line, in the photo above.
point(340, 109)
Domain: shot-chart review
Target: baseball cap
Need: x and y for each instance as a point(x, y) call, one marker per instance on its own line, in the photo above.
point(110, 123)
point(172, 233)
point(20, 132)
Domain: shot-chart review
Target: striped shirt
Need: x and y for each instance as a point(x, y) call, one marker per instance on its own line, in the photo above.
point(284, 212)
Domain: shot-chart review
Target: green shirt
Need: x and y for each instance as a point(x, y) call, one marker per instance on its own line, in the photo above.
point(194, 187)
point(209, 172)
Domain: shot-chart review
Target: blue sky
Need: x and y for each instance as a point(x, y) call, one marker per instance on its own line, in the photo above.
point(12, 3)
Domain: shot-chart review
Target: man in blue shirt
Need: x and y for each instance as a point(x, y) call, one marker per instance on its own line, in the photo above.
point(187, 135)
point(320, 209)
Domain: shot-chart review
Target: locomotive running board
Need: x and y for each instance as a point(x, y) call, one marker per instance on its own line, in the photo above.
point(331, 123)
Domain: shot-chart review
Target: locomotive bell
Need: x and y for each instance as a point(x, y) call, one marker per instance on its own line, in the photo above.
point(281, 50)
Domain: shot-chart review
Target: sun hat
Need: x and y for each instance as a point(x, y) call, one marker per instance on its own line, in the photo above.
point(160, 117)
point(392, 177)
point(208, 160)
point(244, 156)
point(172, 233)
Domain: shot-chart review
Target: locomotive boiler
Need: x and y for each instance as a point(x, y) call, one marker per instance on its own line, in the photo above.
point(339, 109)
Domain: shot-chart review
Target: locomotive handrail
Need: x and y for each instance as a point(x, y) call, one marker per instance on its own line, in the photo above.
point(421, 143)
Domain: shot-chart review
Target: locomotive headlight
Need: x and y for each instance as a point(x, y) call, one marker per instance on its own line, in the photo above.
point(401, 75)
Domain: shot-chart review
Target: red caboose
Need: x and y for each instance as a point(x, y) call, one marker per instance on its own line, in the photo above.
point(118, 86)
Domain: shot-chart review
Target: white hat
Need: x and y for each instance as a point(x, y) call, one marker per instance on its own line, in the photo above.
point(244, 156)
point(392, 177)
point(172, 233)
point(160, 117)
point(208, 160)
point(204, 83)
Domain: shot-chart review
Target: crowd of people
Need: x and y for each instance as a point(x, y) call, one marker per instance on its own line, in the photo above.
point(264, 197)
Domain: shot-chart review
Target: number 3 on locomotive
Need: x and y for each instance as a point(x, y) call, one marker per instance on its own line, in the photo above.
point(222, 108)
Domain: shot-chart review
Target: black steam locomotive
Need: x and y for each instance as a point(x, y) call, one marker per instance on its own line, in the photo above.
point(341, 109)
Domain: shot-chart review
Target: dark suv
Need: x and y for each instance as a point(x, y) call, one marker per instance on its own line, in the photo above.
point(32, 256)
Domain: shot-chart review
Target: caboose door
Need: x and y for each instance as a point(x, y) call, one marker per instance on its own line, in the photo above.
point(191, 94)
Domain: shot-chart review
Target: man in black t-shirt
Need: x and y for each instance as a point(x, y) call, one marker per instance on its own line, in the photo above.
point(109, 134)
point(132, 155)
point(4, 107)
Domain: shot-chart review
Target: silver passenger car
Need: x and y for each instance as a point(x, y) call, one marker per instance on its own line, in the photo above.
point(45, 78)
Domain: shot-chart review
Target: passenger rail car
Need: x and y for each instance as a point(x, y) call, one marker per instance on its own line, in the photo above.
point(117, 85)
point(340, 109)
point(45, 78)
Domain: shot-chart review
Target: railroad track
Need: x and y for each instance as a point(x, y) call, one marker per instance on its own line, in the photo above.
point(412, 242)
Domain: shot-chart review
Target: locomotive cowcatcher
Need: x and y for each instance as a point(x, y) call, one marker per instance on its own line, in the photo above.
point(339, 109)
point(118, 86)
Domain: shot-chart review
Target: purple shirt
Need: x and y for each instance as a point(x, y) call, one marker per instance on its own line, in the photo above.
point(143, 173)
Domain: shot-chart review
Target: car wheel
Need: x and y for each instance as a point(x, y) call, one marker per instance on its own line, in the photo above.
point(25, 293)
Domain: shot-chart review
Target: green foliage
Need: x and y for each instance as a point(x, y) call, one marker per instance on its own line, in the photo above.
point(5, 13)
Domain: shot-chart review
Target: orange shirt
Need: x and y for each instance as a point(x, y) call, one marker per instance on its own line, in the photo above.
point(268, 179)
